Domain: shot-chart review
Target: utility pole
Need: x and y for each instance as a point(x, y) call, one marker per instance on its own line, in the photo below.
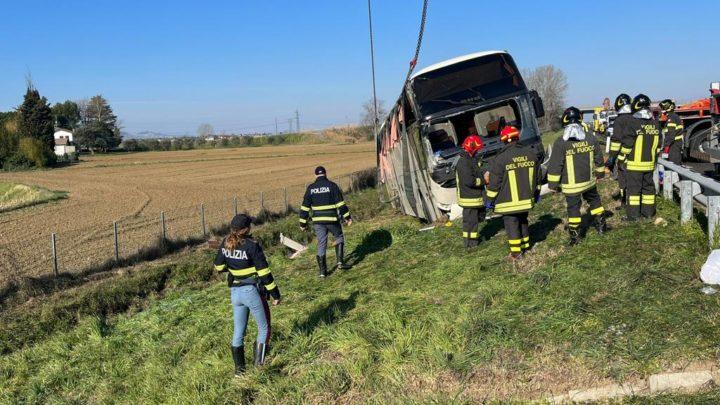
point(290, 120)
point(372, 64)
point(276, 127)
point(297, 121)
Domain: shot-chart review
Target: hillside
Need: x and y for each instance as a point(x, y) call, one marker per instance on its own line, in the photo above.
point(417, 318)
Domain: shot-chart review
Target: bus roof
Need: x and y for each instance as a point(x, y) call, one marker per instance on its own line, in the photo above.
point(453, 61)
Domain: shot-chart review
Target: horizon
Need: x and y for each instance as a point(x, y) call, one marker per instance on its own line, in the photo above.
point(170, 67)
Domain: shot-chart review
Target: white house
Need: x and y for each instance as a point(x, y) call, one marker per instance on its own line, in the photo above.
point(63, 142)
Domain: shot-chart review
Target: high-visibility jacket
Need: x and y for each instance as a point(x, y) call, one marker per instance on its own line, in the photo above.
point(621, 125)
point(673, 131)
point(469, 181)
point(246, 265)
point(514, 179)
point(641, 145)
point(575, 164)
point(323, 203)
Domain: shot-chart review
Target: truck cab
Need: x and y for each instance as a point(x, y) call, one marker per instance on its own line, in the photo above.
point(440, 106)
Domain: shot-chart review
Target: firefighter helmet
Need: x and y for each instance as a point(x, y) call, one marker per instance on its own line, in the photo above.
point(571, 116)
point(667, 105)
point(509, 133)
point(640, 102)
point(472, 144)
point(622, 100)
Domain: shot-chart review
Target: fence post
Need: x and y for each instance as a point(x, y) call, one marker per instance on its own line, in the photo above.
point(686, 201)
point(53, 243)
point(202, 219)
point(235, 204)
point(668, 183)
point(162, 224)
point(713, 216)
point(285, 199)
point(117, 247)
point(262, 201)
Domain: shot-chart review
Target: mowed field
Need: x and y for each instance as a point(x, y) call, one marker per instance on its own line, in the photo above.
point(133, 189)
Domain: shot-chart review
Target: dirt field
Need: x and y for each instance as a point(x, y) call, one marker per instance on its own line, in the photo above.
point(134, 188)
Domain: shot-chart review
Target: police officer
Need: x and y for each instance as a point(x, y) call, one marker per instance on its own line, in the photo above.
point(250, 283)
point(324, 205)
point(672, 132)
point(641, 144)
point(469, 189)
point(621, 125)
point(575, 163)
point(514, 188)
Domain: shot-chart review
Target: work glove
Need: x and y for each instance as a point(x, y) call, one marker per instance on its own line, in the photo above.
point(610, 164)
point(489, 205)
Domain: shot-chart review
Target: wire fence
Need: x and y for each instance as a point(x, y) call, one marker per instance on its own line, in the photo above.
point(103, 246)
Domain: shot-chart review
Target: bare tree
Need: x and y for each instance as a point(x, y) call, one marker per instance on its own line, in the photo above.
point(551, 83)
point(367, 118)
point(205, 130)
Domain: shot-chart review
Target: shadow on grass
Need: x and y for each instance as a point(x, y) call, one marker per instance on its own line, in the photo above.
point(375, 241)
point(541, 228)
point(327, 314)
point(491, 228)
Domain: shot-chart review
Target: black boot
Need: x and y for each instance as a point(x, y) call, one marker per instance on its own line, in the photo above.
point(238, 354)
point(259, 352)
point(340, 256)
point(322, 265)
point(600, 224)
point(574, 236)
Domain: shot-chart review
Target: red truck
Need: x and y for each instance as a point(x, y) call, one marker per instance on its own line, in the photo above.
point(701, 119)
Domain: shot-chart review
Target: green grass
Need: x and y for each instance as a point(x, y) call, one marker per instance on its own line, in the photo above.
point(14, 196)
point(417, 319)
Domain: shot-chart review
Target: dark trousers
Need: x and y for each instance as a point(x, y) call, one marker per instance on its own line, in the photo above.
point(622, 182)
point(675, 152)
point(574, 202)
point(322, 230)
point(471, 220)
point(641, 195)
point(518, 231)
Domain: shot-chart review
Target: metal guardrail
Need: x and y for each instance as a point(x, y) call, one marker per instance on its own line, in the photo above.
point(692, 187)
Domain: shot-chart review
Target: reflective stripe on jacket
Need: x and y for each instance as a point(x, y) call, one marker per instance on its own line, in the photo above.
point(575, 164)
point(323, 203)
point(514, 179)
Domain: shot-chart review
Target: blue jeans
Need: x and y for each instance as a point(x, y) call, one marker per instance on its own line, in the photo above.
point(247, 299)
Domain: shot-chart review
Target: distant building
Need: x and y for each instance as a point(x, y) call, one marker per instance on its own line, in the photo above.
point(64, 142)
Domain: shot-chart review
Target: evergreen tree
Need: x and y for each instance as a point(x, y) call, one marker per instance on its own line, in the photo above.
point(99, 129)
point(67, 114)
point(36, 118)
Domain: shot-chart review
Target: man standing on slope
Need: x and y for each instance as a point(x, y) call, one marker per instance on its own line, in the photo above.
point(469, 189)
point(620, 126)
point(672, 132)
point(514, 188)
point(324, 205)
point(575, 163)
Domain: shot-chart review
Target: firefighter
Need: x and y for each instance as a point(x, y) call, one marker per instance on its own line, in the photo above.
point(251, 284)
point(469, 188)
point(641, 144)
point(621, 125)
point(324, 205)
point(514, 188)
point(672, 133)
point(575, 163)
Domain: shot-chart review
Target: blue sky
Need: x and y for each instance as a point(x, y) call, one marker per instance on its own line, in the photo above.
point(171, 65)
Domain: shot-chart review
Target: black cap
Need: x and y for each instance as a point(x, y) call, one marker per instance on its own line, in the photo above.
point(240, 221)
point(320, 171)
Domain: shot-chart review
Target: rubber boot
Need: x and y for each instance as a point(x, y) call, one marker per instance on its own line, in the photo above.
point(238, 354)
point(574, 236)
point(600, 224)
point(340, 256)
point(322, 265)
point(259, 354)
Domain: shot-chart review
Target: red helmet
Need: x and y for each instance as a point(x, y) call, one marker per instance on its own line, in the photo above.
point(509, 133)
point(472, 144)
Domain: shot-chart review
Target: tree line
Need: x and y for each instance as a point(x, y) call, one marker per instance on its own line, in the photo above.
point(27, 133)
point(220, 141)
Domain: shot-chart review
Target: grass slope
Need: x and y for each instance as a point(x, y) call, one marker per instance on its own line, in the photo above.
point(417, 318)
point(14, 196)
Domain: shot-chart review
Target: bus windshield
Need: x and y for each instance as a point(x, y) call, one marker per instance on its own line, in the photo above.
point(468, 82)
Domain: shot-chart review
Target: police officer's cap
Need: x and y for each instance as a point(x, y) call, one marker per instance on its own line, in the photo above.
point(320, 171)
point(240, 221)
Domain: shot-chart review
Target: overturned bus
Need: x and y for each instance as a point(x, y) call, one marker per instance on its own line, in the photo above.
point(418, 144)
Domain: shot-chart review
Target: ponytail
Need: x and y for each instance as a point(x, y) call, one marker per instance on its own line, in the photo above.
point(236, 237)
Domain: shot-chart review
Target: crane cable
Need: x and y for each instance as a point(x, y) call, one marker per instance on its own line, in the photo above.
point(414, 60)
